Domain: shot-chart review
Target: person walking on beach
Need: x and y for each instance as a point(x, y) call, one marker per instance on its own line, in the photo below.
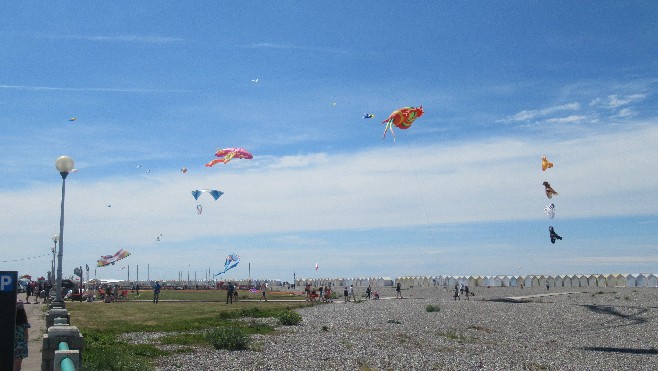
point(467, 291)
point(457, 292)
point(368, 291)
point(346, 294)
point(351, 294)
point(21, 336)
point(156, 292)
point(398, 291)
point(28, 292)
point(229, 293)
point(263, 289)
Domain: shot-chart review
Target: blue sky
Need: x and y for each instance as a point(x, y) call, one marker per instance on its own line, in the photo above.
point(160, 86)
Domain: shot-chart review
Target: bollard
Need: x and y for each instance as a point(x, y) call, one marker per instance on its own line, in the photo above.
point(54, 346)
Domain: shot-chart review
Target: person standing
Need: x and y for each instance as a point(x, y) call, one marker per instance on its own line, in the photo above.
point(467, 291)
point(368, 291)
point(398, 291)
point(156, 292)
point(457, 292)
point(352, 295)
point(28, 292)
point(229, 293)
point(263, 289)
point(346, 295)
point(21, 336)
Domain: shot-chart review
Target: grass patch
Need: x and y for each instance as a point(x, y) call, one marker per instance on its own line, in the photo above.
point(394, 321)
point(457, 337)
point(229, 338)
point(432, 308)
point(101, 324)
point(289, 318)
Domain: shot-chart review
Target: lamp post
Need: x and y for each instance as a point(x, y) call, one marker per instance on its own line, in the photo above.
point(64, 165)
point(53, 249)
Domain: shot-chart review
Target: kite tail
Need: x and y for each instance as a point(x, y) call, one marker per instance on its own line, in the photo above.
point(389, 125)
point(213, 162)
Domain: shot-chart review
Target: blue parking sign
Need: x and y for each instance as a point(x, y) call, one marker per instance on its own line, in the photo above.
point(8, 281)
point(8, 286)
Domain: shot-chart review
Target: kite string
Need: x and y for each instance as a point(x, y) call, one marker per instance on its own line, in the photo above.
point(33, 257)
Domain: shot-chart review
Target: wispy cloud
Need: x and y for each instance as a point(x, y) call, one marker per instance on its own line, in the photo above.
point(623, 100)
point(276, 46)
point(528, 115)
point(147, 39)
point(110, 90)
point(566, 120)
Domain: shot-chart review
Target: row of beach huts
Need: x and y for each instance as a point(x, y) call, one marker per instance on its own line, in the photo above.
point(575, 280)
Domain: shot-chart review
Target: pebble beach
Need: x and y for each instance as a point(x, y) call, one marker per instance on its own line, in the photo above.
point(497, 329)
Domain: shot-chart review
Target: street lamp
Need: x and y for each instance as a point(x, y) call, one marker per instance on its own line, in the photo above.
point(53, 249)
point(64, 165)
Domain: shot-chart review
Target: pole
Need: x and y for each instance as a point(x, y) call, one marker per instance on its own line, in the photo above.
point(60, 253)
point(129, 274)
point(52, 276)
point(137, 283)
point(148, 272)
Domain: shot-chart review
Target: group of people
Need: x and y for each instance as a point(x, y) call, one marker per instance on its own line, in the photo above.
point(460, 290)
point(39, 290)
point(321, 293)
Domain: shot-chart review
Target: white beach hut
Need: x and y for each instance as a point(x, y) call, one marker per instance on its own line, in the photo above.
point(505, 281)
point(641, 280)
point(652, 280)
point(630, 280)
point(583, 280)
point(621, 280)
point(513, 281)
point(558, 281)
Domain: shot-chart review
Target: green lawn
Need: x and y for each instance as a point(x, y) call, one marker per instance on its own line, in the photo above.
point(188, 321)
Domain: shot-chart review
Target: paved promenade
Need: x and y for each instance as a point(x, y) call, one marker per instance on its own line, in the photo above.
point(37, 319)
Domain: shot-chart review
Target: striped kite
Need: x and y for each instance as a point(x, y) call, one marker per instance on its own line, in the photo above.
point(227, 154)
point(106, 260)
point(402, 118)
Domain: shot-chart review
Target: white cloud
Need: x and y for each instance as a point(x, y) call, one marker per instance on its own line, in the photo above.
point(528, 115)
point(568, 119)
point(617, 100)
point(391, 188)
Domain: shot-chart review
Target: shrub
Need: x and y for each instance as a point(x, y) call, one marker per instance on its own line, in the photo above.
point(432, 308)
point(229, 337)
point(289, 318)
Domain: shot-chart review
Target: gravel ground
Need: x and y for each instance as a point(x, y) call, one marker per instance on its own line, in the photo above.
point(579, 329)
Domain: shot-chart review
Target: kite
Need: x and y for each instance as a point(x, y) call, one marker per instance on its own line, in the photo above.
point(254, 81)
point(316, 266)
point(157, 239)
point(231, 262)
point(550, 211)
point(183, 170)
point(550, 192)
point(368, 115)
point(199, 209)
point(545, 164)
point(554, 235)
point(106, 260)
point(213, 192)
point(227, 154)
point(402, 118)
point(73, 119)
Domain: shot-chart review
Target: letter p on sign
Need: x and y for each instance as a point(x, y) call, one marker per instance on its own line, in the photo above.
point(6, 283)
